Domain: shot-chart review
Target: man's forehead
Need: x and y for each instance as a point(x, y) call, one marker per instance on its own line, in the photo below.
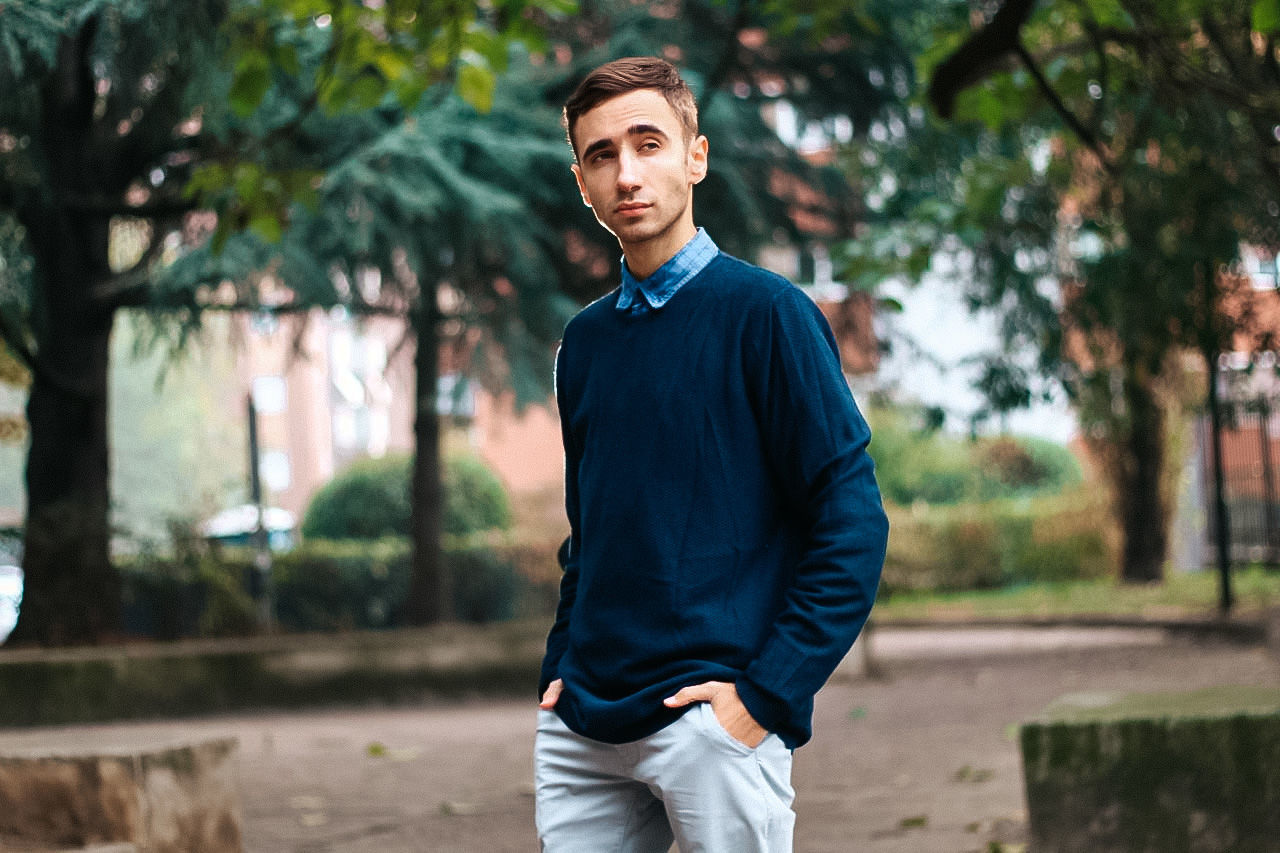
point(614, 116)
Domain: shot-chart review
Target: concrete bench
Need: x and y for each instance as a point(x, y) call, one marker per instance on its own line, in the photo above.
point(140, 797)
point(1195, 772)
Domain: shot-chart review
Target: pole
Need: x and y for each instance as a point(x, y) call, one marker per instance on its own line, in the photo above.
point(1221, 521)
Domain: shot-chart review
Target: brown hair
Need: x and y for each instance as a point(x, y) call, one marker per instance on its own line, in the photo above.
point(627, 75)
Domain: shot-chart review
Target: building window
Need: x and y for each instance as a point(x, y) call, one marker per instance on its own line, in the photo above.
point(274, 468)
point(270, 396)
point(1261, 266)
point(455, 397)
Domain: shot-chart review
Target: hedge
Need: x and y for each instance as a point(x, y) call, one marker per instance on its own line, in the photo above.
point(1000, 543)
point(330, 586)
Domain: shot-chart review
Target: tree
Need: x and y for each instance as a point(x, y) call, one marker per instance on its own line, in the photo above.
point(126, 108)
point(481, 233)
point(479, 223)
point(1114, 147)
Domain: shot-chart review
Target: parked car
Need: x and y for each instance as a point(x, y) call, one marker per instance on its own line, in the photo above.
point(10, 599)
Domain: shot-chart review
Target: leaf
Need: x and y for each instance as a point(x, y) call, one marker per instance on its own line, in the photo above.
point(476, 85)
point(1266, 16)
point(266, 224)
point(366, 90)
point(250, 83)
point(285, 57)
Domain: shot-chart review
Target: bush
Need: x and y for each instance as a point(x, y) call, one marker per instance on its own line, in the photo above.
point(474, 498)
point(370, 499)
point(185, 595)
point(999, 543)
point(330, 586)
point(915, 463)
point(342, 585)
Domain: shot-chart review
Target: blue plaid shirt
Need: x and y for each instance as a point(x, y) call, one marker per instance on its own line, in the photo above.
point(654, 292)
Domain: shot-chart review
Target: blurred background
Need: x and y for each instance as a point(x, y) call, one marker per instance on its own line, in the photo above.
point(281, 284)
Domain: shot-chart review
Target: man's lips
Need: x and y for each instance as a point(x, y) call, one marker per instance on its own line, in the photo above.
point(632, 208)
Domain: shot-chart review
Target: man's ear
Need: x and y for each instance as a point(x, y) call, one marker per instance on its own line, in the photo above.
point(582, 188)
point(698, 159)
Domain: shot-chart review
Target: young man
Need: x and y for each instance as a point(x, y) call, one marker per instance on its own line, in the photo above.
point(726, 531)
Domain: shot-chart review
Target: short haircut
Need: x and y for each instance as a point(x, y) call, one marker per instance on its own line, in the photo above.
point(628, 75)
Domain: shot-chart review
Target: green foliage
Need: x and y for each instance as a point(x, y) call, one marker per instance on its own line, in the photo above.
point(917, 464)
point(370, 499)
point(1099, 167)
point(1266, 16)
point(327, 585)
point(342, 585)
point(289, 58)
point(998, 544)
point(475, 500)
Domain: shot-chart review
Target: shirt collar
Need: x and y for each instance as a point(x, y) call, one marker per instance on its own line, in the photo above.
point(654, 292)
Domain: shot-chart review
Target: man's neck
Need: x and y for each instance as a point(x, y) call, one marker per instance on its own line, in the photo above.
point(644, 259)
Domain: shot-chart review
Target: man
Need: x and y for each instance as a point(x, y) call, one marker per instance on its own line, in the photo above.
point(726, 531)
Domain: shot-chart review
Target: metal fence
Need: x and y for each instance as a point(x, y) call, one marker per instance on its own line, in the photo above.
point(1251, 477)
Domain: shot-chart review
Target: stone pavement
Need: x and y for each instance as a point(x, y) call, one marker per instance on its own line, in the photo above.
point(921, 758)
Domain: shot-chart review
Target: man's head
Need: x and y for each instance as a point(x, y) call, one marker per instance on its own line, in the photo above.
point(627, 75)
point(634, 130)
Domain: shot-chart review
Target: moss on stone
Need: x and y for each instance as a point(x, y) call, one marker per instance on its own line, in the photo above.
point(1195, 771)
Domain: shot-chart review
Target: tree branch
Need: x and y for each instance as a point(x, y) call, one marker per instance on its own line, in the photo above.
point(980, 54)
point(1069, 118)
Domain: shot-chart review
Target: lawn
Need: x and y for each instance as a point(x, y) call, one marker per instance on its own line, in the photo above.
point(1181, 595)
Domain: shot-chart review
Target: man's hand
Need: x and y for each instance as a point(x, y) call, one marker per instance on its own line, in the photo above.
point(552, 695)
point(728, 708)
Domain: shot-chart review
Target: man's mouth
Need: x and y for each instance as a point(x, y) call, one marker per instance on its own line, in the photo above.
point(632, 207)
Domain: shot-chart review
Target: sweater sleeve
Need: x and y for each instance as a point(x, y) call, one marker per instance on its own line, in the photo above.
point(558, 638)
point(817, 441)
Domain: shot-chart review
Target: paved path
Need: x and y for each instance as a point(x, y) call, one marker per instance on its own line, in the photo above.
point(920, 759)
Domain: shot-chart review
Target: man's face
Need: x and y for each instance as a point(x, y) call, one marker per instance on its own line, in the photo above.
point(636, 171)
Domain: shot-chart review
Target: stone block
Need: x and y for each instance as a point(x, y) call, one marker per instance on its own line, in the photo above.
point(154, 798)
point(1195, 772)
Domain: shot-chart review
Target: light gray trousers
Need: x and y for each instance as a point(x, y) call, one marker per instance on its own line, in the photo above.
point(691, 782)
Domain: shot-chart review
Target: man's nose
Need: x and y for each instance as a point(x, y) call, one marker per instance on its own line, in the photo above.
point(628, 172)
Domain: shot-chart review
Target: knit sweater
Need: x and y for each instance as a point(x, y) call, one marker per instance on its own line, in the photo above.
point(725, 522)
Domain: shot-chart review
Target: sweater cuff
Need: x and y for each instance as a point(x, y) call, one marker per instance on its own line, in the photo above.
point(773, 714)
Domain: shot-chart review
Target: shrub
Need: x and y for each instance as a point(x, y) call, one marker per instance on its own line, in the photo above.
point(327, 585)
point(367, 500)
point(999, 543)
point(474, 497)
point(330, 585)
point(916, 463)
point(370, 499)
point(188, 594)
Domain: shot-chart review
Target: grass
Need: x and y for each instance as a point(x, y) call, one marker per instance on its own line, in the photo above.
point(1181, 595)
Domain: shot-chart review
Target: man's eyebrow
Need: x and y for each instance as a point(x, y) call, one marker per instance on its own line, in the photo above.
point(634, 130)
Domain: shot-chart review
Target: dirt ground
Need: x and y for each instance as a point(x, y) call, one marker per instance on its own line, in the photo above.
point(922, 758)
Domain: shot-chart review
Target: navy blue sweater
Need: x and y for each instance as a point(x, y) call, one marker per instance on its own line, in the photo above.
point(725, 522)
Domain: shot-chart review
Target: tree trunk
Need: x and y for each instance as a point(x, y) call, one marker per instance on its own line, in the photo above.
point(1140, 483)
point(430, 592)
point(71, 592)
